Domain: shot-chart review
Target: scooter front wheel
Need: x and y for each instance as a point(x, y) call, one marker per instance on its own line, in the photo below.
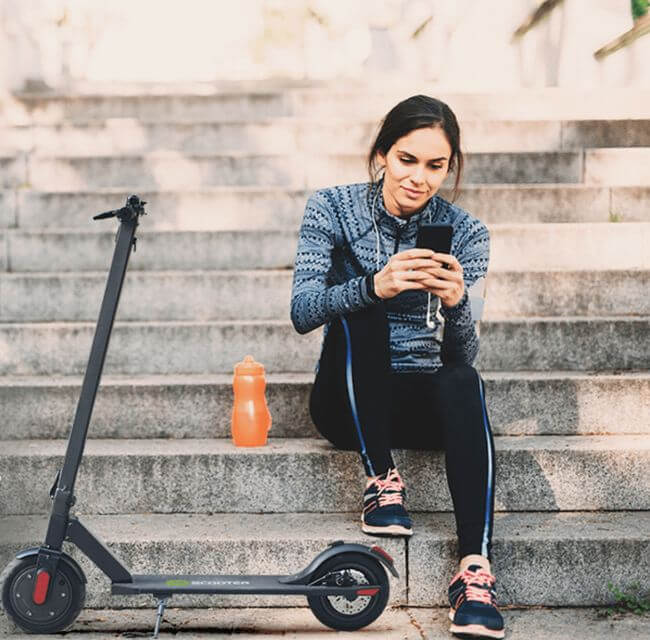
point(65, 599)
point(343, 613)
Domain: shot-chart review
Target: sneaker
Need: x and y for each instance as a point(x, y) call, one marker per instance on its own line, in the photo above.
point(473, 610)
point(383, 506)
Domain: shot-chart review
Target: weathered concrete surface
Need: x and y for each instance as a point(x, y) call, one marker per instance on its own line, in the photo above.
point(4, 250)
point(564, 167)
point(222, 105)
point(532, 553)
point(254, 102)
point(7, 208)
point(540, 203)
point(513, 247)
point(227, 295)
point(165, 296)
point(12, 171)
point(525, 403)
point(174, 169)
point(593, 246)
point(92, 250)
point(628, 202)
point(532, 104)
point(300, 624)
point(208, 209)
point(533, 473)
point(579, 134)
point(542, 344)
point(165, 169)
point(257, 207)
point(128, 135)
point(624, 166)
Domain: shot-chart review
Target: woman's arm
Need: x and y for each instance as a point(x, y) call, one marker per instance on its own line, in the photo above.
point(313, 302)
point(460, 342)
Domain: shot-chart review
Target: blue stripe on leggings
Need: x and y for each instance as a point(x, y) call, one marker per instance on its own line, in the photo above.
point(353, 404)
point(488, 493)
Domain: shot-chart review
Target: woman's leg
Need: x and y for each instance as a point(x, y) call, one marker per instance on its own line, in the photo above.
point(446, 409)
point(351, 396)
point(469, 457)
point(351, 404)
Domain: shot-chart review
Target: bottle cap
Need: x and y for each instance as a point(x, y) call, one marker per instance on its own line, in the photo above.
point(249, 367)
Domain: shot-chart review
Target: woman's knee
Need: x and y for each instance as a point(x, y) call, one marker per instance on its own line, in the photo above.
point(459, 394)
point(331, 426)
point(339, 439)
point(459, 377)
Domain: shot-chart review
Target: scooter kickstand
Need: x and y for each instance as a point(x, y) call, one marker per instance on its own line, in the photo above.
point(162, 603)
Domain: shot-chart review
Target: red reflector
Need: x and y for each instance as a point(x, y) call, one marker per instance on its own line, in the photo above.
point(40, 588)
point(367, 592)
point(381, 552)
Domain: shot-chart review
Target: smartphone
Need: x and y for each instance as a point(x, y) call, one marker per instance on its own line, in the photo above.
point(436, 237)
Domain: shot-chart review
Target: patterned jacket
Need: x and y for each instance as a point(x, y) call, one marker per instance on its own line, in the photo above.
point(337, 249)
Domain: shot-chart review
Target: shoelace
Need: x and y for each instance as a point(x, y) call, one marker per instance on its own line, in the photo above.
point(390, 489)
point(479, 584)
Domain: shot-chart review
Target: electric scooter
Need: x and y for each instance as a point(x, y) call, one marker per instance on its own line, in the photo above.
point(44, 588)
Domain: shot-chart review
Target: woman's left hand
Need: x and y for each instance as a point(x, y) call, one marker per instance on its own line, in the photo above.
point(447, 284)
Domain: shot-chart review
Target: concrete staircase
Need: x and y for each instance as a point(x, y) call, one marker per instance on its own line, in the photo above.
point(565, 347)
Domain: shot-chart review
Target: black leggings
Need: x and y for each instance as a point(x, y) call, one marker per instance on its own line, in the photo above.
point(358, 403)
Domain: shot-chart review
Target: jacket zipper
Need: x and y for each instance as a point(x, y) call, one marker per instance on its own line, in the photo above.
point(397, 236)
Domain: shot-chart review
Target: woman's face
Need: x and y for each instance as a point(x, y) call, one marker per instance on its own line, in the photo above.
point(416, 166)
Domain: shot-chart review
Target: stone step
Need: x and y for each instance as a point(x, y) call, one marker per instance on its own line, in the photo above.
point(8, 208)
point(173, 169)
point(513, 247)
point(288, 135)
point(229, 208)
point(540, 344)
point(232, 295)
point(12, 171)
point(617, 166)
point(556, 548)
point(533, 473)
point(563, 546)
point(334, 100)
point(200, 406)
point(547, 103)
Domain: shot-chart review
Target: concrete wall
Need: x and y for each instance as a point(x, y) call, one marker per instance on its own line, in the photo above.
point(466, 45)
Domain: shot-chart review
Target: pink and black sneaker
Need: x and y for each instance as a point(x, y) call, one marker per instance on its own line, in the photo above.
point(473, 613)
point(383, 506)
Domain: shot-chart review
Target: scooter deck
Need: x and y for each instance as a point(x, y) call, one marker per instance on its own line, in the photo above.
point(225, 584)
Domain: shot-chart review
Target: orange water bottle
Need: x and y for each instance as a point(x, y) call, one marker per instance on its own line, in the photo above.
point(251, 418)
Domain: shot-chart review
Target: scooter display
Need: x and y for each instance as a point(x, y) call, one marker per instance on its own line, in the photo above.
point(44, 588)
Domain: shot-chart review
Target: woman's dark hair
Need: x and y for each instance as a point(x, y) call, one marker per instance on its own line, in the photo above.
point(418, 112)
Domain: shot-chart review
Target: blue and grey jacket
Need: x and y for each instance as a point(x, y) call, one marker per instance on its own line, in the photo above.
point(337, 249)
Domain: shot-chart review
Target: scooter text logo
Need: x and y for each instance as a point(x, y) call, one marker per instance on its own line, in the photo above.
point(177, 583)
point(217, 583)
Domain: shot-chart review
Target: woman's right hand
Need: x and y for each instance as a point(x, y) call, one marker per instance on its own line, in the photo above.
point(402, 272)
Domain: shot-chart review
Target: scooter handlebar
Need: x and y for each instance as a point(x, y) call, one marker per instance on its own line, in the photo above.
point(134, 207)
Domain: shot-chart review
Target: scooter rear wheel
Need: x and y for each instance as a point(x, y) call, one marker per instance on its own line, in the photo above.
point(349, 614)
point(66, 597)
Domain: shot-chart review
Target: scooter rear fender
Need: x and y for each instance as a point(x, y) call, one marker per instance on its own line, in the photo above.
point(335, 549)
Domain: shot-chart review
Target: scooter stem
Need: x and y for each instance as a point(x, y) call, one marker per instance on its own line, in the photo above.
point(63, 493)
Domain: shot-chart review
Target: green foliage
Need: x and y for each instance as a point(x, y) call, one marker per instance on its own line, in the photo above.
point(630, 601)
point(615, 217)
point(639, 8)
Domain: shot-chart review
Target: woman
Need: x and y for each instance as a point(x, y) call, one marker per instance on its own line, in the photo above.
point(389, 374)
